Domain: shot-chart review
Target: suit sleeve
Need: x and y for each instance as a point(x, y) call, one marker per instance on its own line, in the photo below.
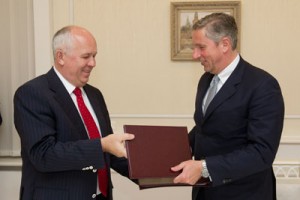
point(48, 138)
point(192, 138)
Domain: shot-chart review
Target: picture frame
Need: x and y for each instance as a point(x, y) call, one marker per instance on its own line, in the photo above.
point(184, 14)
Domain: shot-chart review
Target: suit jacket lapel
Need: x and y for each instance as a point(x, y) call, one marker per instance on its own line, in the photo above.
point(201, 91)
point(63, 98)
point(99, 114)
point(227, 90)
point(97, 109)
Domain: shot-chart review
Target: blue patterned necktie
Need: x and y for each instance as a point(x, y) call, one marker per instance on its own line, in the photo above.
point(212, 91)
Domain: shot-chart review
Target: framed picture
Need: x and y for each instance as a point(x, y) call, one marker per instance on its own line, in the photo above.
point(185, 14)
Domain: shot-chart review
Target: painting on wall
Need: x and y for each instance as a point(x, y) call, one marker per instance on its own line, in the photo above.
point(185, 14)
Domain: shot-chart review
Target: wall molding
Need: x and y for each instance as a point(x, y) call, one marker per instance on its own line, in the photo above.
point(292, 117)
point(10, 162)
point(10, 153)
point(290, 140)
point(287, 169)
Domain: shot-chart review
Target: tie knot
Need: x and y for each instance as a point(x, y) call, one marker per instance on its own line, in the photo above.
point(215, 80)
point(77, 92)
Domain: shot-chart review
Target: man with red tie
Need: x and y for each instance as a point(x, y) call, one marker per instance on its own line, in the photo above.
point(67, 145)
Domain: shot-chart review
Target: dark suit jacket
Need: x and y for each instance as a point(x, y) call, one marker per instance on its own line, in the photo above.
point(239, 135)
point(59, 161)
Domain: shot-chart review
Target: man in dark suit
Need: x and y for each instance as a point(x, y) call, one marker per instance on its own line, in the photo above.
point(236, 137)
point(60, 160)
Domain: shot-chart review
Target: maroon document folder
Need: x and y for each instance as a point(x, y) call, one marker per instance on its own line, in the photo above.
point(152, 153)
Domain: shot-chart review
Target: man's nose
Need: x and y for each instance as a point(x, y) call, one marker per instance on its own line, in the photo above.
point(196, 53)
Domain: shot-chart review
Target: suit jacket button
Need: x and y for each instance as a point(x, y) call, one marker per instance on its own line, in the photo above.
point(227, 180)
point(94, 196)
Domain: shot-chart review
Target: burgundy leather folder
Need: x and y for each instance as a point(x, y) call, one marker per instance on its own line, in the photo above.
point(153, 151)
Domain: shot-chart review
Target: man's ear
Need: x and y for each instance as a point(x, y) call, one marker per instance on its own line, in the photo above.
point(226, 44)
point(59, 56)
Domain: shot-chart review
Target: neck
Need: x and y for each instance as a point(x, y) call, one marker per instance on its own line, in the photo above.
point(228, 58)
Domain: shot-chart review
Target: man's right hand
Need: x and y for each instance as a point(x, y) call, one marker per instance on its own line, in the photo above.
point(115, 144)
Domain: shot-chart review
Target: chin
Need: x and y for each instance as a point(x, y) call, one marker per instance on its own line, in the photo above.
point(84, 82)
point(206, 69)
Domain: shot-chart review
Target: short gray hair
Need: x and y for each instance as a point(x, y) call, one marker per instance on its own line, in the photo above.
point(62, 39)
point(217, 26)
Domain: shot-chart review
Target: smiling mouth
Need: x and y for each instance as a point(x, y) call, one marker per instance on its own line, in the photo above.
point(86, 74)
point(87, 71)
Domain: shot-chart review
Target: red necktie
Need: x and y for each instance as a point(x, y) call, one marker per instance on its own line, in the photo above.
point(93, 133)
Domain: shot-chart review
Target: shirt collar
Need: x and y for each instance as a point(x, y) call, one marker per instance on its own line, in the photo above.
point(224, 75)
point(70, 88)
